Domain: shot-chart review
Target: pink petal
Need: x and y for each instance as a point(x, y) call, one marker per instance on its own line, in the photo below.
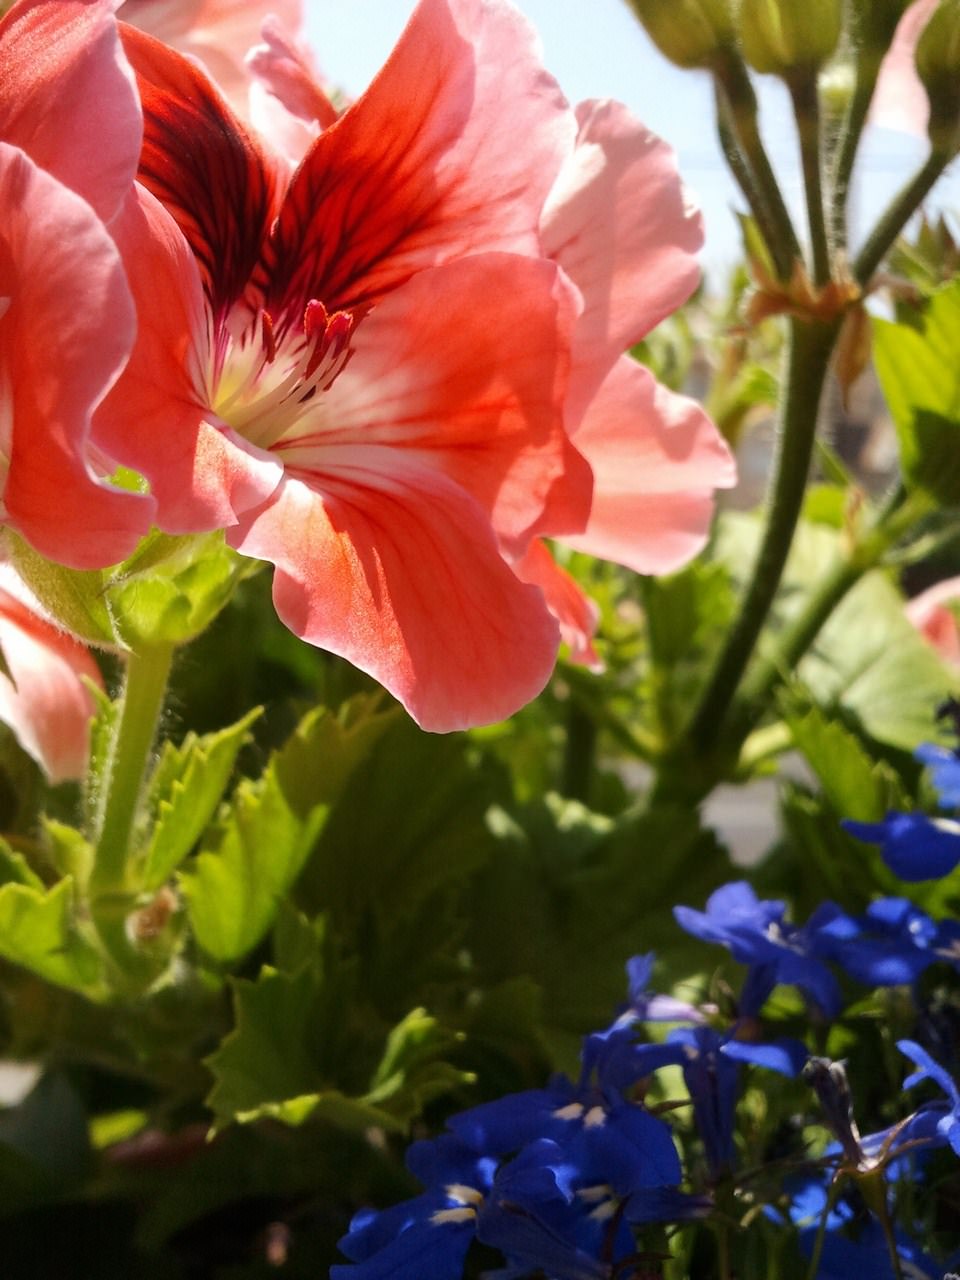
point(157, 419)
point(465, 368)
point(657, 459)
point(46, 703)
point(576, 613)
point(218, 32)
point(66, 332)
point(451, 150)
point(900, 100)
point(620, 224)
point(396, 569)
point(67, 97)
point(283, 65)
point(936, 623)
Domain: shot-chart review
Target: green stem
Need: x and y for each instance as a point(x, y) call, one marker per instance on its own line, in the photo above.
point(735, 90)
point(142, 701)
point(748, 185)
point(806, 110)
point(822, 1232)
point(810, 349)
point(897, 215)
point(846, 153)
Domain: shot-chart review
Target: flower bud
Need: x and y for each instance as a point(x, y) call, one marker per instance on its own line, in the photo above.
point(938, 66)
point(688, 32)
point(783, 36)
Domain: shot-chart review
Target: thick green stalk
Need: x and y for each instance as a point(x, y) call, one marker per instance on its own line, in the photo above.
point(735, 89)
point(806, 110)
point(897, 215)
point(142, 702)
point(810, 348)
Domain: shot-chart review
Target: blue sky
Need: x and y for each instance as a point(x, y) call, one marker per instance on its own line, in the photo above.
point(596, 48)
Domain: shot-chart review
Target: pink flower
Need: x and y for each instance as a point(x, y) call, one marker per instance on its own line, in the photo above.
point(70, 134)
point(359, 370)
point(900, 101)
point(44, 699)
point(620, 225)
point(937, 623)
point(218, 32)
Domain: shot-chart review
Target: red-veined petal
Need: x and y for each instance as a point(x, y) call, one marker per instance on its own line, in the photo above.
point(158, 418)
point(450, 151)
point(395, 568)
point(657, 459)
point(203, 166)
point(464, 366)
point(620, 225)
point(67, 96)
point(66, 330)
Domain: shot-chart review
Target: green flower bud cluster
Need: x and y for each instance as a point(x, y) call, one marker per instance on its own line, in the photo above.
point(938, 66)
point(689, 32)
point(780, 37)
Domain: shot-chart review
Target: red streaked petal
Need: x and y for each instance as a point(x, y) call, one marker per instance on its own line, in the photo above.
point(619, 223)
point(657, 459)
point(64, 337)
point(68, 98)
point(157, 419)
point(465, 366)
point(396, 569)
point(574, 610)
point(451, 150)
point(46, 704)
point(203, 166)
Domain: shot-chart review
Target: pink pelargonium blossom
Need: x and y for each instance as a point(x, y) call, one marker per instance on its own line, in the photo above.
point(359, 370)
point(900, 101)
point(931, 614)
point(218, 32)
point(621, 226)
point(70, 132)
point(44, 699)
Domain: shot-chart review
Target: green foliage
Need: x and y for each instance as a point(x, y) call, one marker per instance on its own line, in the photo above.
point(253, 856)
point(918, 371)
point(39, 932)
point(185, 789)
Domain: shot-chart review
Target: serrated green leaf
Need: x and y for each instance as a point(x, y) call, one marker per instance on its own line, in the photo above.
point(185, 790)
point(857, 786)
point(68, 850)
point(233, 892)
point(14, 869)
point(102, 734)
point(919, 373)
point(412, 1072)
point(266, 1058)
point(37, 931)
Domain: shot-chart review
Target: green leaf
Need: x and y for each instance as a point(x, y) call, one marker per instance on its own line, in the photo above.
point(235, 886)
point(185, 790)
point(412, 1072)
point(857, 786)
point(103, 728)
point(14, 869)
point(920, 376)
point(75, 597)
point(68, 850)
point(37, 931)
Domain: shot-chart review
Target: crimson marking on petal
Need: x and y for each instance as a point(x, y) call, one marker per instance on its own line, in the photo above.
point(203, 166)
point(267, 337)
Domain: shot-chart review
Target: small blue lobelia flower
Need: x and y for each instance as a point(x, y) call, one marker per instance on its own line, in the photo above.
point(890, 944)
point(775, 950)
point(914, 846)
point(938, 1122)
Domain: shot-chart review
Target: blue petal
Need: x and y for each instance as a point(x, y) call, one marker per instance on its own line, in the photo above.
point(914, 846)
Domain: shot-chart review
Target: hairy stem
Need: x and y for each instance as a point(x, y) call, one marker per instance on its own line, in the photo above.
point(810, 348)
point(806, 110)
point(897, 215)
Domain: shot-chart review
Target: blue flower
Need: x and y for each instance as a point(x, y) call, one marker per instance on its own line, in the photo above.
point(429, 1235)
point(890, 944)
point(944, 769)
point(757, 935)
point(913, 846)
point(711, 1071)
point(938, 1121)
